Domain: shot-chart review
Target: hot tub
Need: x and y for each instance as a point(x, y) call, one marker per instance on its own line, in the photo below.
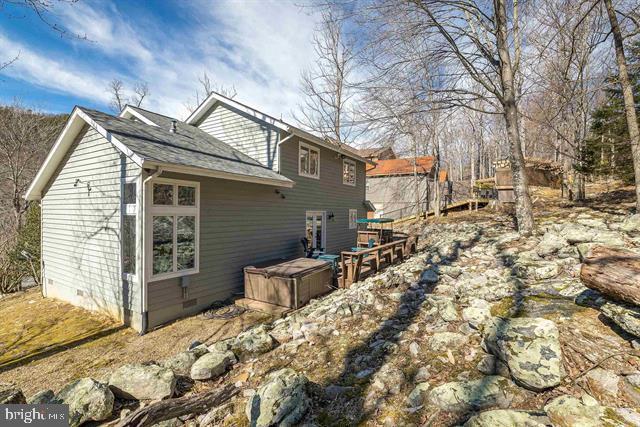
point(288, 284)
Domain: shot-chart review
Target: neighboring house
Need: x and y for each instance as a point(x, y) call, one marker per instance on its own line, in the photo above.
point(150, 219)
point(375, 154)
point(394, 186)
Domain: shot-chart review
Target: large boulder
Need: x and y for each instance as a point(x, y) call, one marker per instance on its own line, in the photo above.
point(568, 411)
point(212, 365)
point(576, 233)
point(143, 382)
point(506, 418)
point(282, 400)
point(530, 347)
point(626, 316)
point(464, 396)
point(181, 363)
point(10, 394)
point(88, 400)
point(550, 244)
point(253, 342)
point(477, 314)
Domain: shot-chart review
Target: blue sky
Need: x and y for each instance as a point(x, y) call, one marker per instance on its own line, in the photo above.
point(258, 47)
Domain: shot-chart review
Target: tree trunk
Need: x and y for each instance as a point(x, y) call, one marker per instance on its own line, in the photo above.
point(613, 272)
point(627, 94)
point(171, 408)
point(524, 211)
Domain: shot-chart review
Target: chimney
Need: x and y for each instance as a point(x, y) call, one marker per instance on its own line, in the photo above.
point(173, 126)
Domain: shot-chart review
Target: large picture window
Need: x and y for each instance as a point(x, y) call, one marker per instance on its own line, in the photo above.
point(348, 172)
point(174, 228)
point(309, 161)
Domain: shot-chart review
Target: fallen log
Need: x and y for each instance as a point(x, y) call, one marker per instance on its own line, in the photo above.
point(172, 408)
point(613, 272)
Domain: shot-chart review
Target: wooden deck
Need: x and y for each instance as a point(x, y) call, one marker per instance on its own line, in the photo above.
point(355, 265)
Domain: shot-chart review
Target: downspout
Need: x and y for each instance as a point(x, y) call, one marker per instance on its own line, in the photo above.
point(143, 246)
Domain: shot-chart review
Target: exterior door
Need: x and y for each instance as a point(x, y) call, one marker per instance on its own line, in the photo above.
point(315, 229)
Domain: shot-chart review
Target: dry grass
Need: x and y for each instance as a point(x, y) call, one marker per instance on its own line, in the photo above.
point(57, 342)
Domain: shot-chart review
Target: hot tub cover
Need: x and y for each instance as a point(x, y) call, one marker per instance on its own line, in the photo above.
point(293, 268)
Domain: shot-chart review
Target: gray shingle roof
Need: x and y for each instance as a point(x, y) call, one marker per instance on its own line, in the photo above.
point(188, 146)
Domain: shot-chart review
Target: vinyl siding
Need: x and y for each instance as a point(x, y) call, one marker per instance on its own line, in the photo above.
point(397, 194)
point(253, 137)
point(242, 224)
point(81, 229)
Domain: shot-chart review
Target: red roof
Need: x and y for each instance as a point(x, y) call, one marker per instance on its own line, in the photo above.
point(401, 166)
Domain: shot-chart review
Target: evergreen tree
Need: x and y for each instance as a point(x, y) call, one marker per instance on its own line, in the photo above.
point(608, 151)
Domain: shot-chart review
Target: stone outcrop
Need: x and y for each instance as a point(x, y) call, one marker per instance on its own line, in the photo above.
point(463, 396)
point(253, 342)
point(88, 400)
point(281, 400)
point(143, 382)
point(212, 365)
point(507, 418)
point(530, 347)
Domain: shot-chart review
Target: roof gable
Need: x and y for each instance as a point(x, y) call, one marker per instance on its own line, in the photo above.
point(154, 145)
point(214, 98)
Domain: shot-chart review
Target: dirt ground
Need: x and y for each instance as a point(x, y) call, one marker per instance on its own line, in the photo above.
point(54, 342)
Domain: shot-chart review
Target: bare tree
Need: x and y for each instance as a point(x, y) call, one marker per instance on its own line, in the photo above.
point(467, 48)
point(140, 92)
point(207, 87)
point(627, 95)
point(565, 48)
point(326, 107)
point(25, 137)
point(119, 98)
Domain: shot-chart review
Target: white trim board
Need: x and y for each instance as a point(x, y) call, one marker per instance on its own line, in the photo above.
point(129, 112)
point(65, 140)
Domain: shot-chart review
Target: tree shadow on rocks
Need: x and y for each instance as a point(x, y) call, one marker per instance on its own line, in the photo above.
point(364, 361)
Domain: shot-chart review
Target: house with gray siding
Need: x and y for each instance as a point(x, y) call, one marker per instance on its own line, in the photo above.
point(148, 218)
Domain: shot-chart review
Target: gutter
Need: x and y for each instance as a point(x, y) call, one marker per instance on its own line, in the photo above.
point(143, 277)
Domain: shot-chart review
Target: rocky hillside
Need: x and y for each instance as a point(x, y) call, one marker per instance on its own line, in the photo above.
point(481, 328)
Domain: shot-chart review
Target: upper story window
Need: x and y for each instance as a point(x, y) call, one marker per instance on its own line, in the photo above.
point(348, 172)
point(309, 161)
point(174, 223)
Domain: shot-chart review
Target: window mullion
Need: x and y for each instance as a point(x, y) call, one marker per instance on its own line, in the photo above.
point(175, 243)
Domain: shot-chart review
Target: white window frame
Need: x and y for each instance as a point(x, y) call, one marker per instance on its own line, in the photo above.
point(130, 209)
point(355, 179)
point(353, 214)
point(172, 210)
point(323, 222)
point(302, 145)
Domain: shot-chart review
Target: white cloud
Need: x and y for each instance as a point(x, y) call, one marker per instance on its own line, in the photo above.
point(64, 77)
point(257, 47)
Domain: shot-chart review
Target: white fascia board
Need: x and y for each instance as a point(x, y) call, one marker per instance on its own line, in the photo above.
point(215, 98)
point(190, 170)
point(74, 125)
point(129, 112)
